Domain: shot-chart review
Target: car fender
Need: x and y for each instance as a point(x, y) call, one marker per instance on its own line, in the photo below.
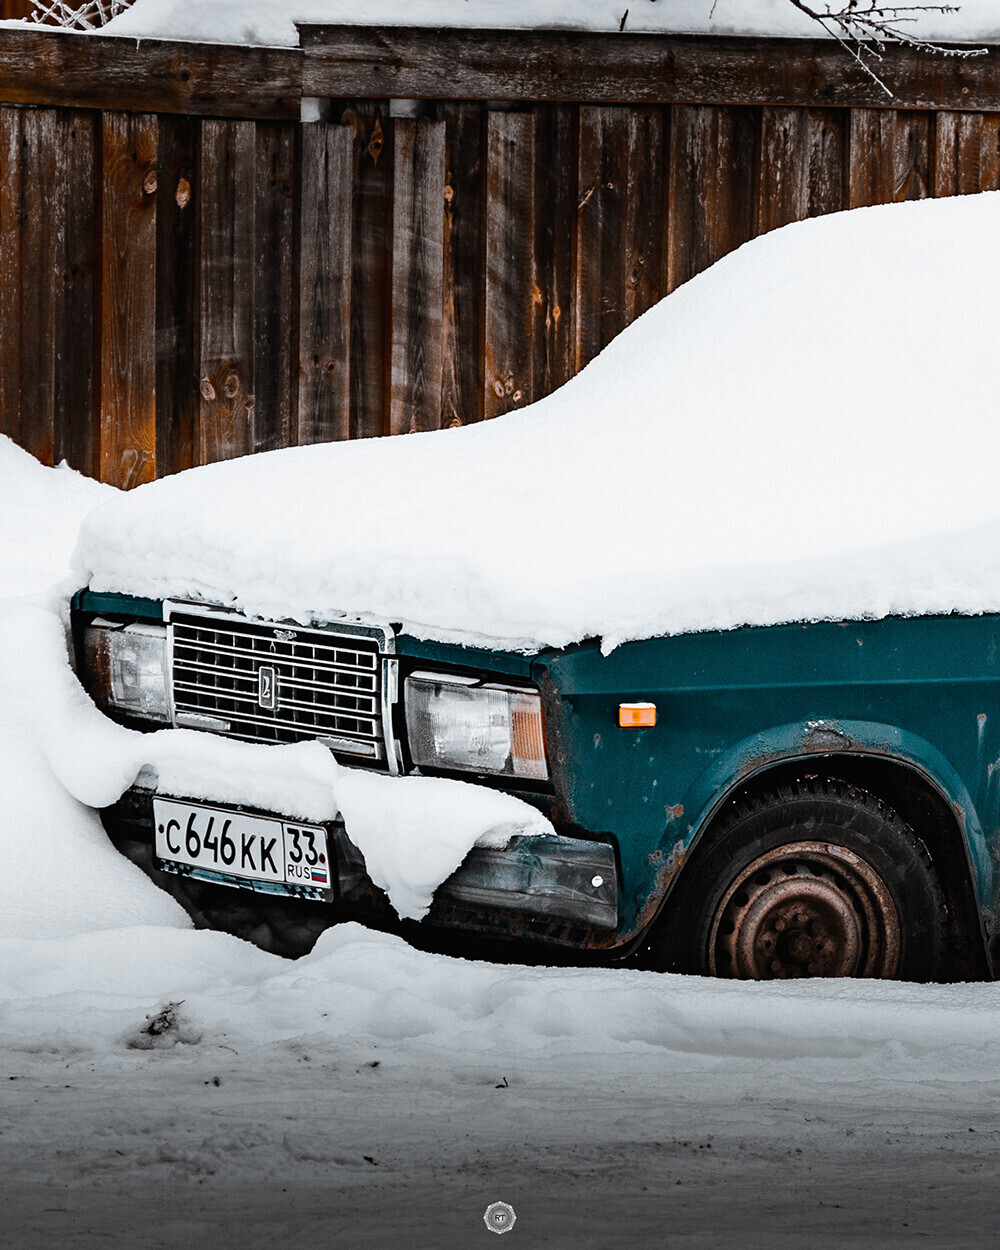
point(809, 742)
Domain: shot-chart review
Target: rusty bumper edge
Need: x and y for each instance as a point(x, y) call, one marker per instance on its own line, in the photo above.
point(547, 876)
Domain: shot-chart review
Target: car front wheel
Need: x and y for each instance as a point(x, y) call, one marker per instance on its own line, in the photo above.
point(818, 879)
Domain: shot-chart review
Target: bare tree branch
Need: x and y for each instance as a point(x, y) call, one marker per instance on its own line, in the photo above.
point(864, 27)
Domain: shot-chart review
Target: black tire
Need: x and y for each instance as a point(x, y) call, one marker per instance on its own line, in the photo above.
point(818, 878)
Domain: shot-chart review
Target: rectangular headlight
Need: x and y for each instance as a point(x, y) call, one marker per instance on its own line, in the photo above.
point(456, 722)
point(125, 668)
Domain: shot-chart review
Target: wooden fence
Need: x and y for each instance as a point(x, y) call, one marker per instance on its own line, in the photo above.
point(206, 276)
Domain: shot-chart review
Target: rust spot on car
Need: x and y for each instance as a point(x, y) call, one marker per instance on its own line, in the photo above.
point(664, 878)
point(675, 812)
point(820, 736)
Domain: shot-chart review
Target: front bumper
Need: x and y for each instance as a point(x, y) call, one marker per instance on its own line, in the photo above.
point(556, 888)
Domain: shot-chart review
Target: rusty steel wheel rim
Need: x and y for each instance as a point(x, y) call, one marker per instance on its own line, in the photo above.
point(806, 909)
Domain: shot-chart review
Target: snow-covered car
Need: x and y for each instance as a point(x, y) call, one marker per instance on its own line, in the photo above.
point(718, 621)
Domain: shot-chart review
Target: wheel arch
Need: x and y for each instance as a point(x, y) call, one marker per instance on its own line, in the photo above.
point(939, 822)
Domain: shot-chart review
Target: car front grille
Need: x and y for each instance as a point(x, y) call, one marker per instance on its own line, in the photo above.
point(271, 683)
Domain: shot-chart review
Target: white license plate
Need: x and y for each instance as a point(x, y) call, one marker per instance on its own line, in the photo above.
point(255, 848)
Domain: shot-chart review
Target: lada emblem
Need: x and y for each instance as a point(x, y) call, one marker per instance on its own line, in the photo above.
point(285, 635)
point(267, 688)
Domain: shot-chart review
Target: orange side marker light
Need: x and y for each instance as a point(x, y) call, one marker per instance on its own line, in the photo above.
point(636, 715)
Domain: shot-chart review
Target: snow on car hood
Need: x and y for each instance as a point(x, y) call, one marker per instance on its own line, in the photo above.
point(412, 831)
point(808, 430)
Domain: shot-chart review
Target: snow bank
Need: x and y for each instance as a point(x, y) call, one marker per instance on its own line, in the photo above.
point(59, 874)
point(273, 21)
point(805, 431)
point(361, 984)
point(40, 513)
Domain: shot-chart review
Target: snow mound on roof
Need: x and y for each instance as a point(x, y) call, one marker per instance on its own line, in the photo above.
point(273, 21)
point(808, 430)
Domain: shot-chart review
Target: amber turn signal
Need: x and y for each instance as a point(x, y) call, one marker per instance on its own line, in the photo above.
point(636, 715)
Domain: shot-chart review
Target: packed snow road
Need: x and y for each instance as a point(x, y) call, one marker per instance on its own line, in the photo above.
point(370, 1094)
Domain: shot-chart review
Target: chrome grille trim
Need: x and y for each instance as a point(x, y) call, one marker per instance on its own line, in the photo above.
point(336, 684)
point(298, 683)
point(337, 706)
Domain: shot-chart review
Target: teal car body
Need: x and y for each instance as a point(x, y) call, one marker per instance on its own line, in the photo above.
point(903, 709)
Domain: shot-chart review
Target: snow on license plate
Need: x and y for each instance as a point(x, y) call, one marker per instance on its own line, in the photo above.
point(256, 848)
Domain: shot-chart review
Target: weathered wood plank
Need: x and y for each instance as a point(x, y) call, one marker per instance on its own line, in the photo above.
point(958, 142)
point(646, 211)
point(417, 272)
point(75, 381)
point(890, 156)
point(100, 71)
point(620, 223)
point(13, 219)
point(599, 306)
point(509, 303)
point(324, 313)
point(163, 76)
point(40, 264)
point(10, 273)
point(555, 213)
point(870, 151)
point(274, 287)
point(48, 240)
point(712, 186)
point(802, 170)
point(176, 294)
point(989, 153)
point(226, 308)
point(370, 273)
point(610, 68)
point(462, 287)
point(912, 155)
point(128, 298)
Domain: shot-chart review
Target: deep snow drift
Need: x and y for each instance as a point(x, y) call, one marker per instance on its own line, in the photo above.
point(805, 431)
point(273, 21)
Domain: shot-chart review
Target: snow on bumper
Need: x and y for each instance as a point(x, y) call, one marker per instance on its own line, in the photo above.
point(543, 875)
point(412, 832)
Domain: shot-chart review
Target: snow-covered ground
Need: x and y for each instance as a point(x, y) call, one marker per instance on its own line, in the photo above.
point(166, 1087)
